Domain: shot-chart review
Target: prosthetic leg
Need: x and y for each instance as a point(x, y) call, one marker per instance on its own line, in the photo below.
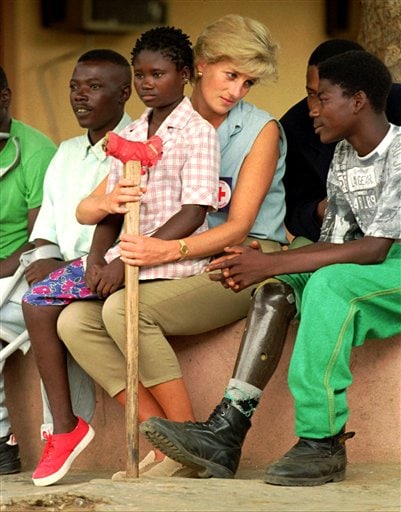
point(273, 307)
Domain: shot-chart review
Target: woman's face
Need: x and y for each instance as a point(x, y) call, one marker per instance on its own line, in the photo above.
point(221, 87)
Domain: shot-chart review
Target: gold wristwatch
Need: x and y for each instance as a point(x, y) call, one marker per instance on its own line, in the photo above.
point(183, 249)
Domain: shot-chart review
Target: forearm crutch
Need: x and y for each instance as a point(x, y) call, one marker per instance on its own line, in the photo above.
point(134, 155)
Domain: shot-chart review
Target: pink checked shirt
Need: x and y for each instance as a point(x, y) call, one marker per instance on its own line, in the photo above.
point(188, 173)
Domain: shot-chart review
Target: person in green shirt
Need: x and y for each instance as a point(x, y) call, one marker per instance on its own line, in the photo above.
point(25, 154)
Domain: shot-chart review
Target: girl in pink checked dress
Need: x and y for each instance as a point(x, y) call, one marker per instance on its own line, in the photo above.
point(181, 188)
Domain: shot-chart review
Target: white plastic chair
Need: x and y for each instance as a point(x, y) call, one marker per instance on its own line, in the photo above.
point(13, 291)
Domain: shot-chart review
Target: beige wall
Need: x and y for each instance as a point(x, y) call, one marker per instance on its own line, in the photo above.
point(39, 61)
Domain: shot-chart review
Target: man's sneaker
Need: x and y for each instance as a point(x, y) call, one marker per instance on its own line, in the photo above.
point(60, 452)
point(213, 447)
point(311, 462)
point(9, 455)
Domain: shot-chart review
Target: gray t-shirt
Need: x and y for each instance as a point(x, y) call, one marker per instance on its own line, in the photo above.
point(364, 193)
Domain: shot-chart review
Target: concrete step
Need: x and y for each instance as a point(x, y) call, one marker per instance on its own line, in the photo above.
point(367, 488)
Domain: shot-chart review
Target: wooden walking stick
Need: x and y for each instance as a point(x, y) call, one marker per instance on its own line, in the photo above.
point(134, 155)
point(131, 225)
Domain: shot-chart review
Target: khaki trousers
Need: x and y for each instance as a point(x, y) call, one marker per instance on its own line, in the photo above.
point(94, 331)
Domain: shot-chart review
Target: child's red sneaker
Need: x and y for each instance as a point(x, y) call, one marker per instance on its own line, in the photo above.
point(60, 452)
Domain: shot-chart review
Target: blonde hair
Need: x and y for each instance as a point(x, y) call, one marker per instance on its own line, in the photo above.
point(245, 42)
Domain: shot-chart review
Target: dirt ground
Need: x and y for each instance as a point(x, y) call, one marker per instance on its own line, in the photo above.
point(53, 503)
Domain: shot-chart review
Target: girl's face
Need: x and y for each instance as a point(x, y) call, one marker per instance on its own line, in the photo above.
point(157, 81)
point(220, 88)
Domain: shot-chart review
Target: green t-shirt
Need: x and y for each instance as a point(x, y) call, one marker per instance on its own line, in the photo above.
point(21, 188)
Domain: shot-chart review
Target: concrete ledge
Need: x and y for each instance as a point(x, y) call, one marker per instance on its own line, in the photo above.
point(207, 361)
point(367, 488)
point(374, 397)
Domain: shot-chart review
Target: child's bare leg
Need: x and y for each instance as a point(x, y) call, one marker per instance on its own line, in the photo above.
point(148, 407)
point(50, 356)
point(173, 397)
point(157, 401)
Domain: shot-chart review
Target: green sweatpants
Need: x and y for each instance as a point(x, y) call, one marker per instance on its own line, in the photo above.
point(340, 306)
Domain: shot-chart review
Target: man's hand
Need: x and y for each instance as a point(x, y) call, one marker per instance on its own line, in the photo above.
point(218, 263)
point(40, 269)
point(105, 279)
point(240, 267)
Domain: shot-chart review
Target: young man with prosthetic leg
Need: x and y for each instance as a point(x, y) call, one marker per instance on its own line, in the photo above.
point(347, 288)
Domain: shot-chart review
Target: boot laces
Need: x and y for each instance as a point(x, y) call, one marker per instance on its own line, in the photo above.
point(219, 410)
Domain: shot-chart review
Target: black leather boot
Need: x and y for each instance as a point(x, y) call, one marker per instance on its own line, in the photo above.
point(213, 446)
point(311, 462)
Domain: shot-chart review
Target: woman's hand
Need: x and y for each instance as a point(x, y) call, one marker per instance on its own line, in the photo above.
point(94, 208)
point(124, 192)
point(143, 251)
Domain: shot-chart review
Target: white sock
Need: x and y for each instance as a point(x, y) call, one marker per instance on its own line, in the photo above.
point(243, 396)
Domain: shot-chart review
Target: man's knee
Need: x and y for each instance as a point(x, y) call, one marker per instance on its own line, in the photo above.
point(276, 296)
point(332, 278)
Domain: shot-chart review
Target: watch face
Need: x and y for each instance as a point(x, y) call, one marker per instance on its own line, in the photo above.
point(183, 249)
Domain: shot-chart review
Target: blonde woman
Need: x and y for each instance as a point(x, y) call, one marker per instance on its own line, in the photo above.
point(232, 55)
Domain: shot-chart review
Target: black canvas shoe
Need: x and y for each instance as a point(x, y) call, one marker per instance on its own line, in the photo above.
point(9, 455)
point(311, 462)
point(213, 446)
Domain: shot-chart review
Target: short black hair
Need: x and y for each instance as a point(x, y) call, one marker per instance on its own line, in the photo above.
point(3, 79)
point(359, 71)
point(171, 42)
point(331, 48)
point(104, 55)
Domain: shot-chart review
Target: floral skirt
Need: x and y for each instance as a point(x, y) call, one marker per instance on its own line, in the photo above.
point(60, 287)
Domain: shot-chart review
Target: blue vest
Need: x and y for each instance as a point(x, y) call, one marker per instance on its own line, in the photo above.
point(236, 135)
